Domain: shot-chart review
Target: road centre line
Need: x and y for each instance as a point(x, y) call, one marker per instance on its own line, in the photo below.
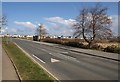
point(65, 52)
point(38, 58)
point(43, 50)
point(62, 56)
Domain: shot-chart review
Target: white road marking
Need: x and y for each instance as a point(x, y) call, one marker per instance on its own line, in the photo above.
point(43, 50)
point(65, 52)
point(50, 53)
point(54, 60)
point(38, 59)
point(38, 63)
point(62, 56)
point(67, 57)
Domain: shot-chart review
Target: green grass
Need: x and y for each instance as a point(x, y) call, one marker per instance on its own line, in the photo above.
point(27, 68)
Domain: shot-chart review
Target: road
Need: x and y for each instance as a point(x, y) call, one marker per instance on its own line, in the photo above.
point(68, 65)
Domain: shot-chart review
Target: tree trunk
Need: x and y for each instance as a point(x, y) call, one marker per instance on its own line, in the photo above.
point(90, 44)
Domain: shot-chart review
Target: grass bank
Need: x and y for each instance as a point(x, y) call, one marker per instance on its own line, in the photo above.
point(28, 70)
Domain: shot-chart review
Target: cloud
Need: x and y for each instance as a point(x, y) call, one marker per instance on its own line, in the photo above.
point(3, 30)
point(8, 30)
point(26, 24)
point(60, 20)
point(60, 26)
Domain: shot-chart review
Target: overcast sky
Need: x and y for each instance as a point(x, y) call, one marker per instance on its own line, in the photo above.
point(58, 17)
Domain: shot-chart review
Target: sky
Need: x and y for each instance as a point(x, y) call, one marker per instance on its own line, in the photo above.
point(57, 17)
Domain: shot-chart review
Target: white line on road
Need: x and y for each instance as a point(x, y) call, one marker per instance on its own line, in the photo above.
point(50, 53)
point(38, 59)
point(43, 50)
point(54, 60)
point(65, 52)
point(65, 57)
point(38, 63)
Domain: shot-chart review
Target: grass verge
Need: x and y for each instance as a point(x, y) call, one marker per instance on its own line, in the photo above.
point(28, 70)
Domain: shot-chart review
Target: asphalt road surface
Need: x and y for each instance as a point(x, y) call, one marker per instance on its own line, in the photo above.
point(68, 65)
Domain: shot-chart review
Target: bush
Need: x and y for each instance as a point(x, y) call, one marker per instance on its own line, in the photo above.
point(84, 46)
point(97, 47)
point(73, 44)
point(56, 41)
point(76, 44)
point(113, 49)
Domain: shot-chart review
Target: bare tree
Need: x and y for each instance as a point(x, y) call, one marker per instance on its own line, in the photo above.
point(93, 23)
point(41, 31)
point(3, 21)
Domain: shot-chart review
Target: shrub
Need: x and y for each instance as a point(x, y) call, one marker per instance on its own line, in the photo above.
point(97, 47)
point(56, 41)
point(84, 46)
point(113, 49)
point(73, 44)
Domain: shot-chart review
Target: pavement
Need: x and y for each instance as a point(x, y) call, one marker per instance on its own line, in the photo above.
point(8, 70)
point(107, 55)
point(66, 64)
